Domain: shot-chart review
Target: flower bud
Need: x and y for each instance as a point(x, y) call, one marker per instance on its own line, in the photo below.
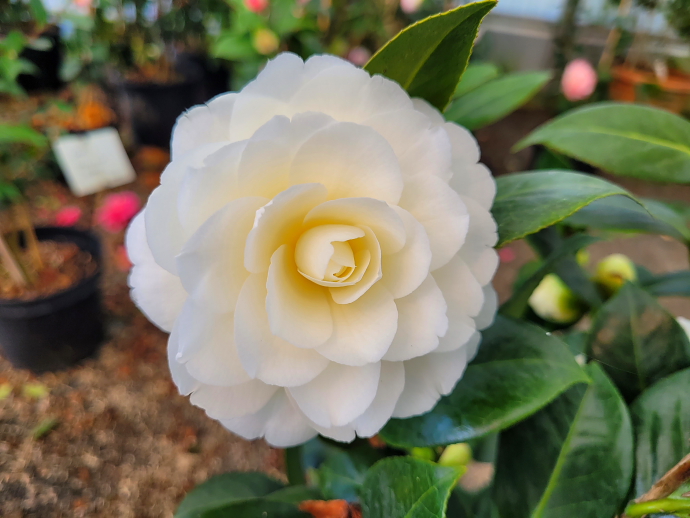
point(423, 453)
point(410, 6)
point(613, 271)
point(456, 455)
point(579, 80)
point(265, 42)
point(555, 302)
point(256, 6)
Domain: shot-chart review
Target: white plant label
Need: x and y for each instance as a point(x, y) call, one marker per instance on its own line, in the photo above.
point(93, 161)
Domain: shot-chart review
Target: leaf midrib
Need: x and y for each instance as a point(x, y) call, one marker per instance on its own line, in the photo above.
point(434, 487)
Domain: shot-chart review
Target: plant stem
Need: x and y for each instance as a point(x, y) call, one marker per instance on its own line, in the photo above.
point(27, 226)
point(11, 264)
point(665, 505)
point(614, 37)
point(293, 466)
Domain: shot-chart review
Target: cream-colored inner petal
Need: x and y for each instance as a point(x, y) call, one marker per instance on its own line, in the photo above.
point(323, 253)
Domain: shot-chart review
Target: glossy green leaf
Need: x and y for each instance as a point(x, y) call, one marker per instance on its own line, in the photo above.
point(572, 459)
point(38, 11)
point(662, 428)
point(624, 139)
point(528, 202)
point(517, 305)
point(637, 341)
point(496, 99)
point(404, 487)
point(619, 213)
point(476, 75)
point(429, 57)
point(225, 489)
point(519, 369)
point(258, 508)
point(669, 284)
point(233, 47)
point(21, 134)
point(342, 473)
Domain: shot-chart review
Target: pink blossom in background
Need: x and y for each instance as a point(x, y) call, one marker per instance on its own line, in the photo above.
point(410, 6)
point(579, 80)
point(507, 255)
point(358, 56)
point(117, 211)
point(68, 216)
point(256, 6)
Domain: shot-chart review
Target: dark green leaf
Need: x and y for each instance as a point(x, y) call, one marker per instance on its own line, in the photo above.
point(517, 304)
point(429, 57)
point(258, 508)
point(404, 487)
point(637, 341)
point(668, 285)
point(624, 214)
point(572, 459)
point(225, 489)
point(295, 495)
point(233, 47)
point(21, 134)
point(293, 465)
point(38, 10)
point(342, 473)
point(528, 202)
point(519, 369)
point(476, 75)
point(662, 427)
point(496, 99)
point(625, 139)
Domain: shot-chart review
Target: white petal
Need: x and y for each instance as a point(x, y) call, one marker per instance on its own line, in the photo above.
point(298, 310)
point(482, 260)
point(472, 346)
point(427, 379)
point(464, 145)
point(337, 433)
point(384, 221)
point(488, 313)
point(203, 124)
point(442, 212)
point(339, 394)
point(474, 181)
point(461, 330)
point(391, 385)
point(264, 168)
point(421, 321)
point(264, 355)
point(362, 330)
point(460, 288)
point(349, 294)
point(280, 422)
point(184, 381)
point(279, 222)
point(482, 230)
point(211, 264)
point(405, 270)
point(230, 402)
point(158, 293)
point(207, 347)
point(209, 187)
point(163, 230)
point(351, 161)
point(315, 247)
point(432, 113)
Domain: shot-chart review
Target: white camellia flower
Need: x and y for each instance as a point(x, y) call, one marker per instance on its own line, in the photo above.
point(321, 250)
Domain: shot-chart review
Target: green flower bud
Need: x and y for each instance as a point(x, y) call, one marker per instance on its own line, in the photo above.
point(613, 271)
point(456, 455)
point(423, 453)
point(555, 302)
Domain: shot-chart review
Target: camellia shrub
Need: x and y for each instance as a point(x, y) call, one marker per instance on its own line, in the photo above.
point(321, 250)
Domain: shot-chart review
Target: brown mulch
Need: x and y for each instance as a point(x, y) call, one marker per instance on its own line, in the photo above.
point(64, 265)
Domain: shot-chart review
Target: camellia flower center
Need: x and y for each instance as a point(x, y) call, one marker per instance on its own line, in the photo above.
point(332, 255)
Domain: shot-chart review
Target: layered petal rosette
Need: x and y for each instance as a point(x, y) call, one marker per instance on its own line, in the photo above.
point(320, 250)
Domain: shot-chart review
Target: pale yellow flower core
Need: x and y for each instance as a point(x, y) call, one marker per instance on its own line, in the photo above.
point(332, 255)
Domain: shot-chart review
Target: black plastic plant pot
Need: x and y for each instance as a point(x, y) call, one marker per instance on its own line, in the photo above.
point(153, 108)
point(47, 62)
point(55, 332)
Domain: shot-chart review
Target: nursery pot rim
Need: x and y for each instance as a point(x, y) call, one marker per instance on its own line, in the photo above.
point(46, 304)
point(677, 82)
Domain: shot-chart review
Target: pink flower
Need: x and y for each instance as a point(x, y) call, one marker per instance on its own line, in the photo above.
point(68, 216)
point(579, 80)
point(117, 211)
point(256, 6)
point(410, 6)
point(358, 56)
